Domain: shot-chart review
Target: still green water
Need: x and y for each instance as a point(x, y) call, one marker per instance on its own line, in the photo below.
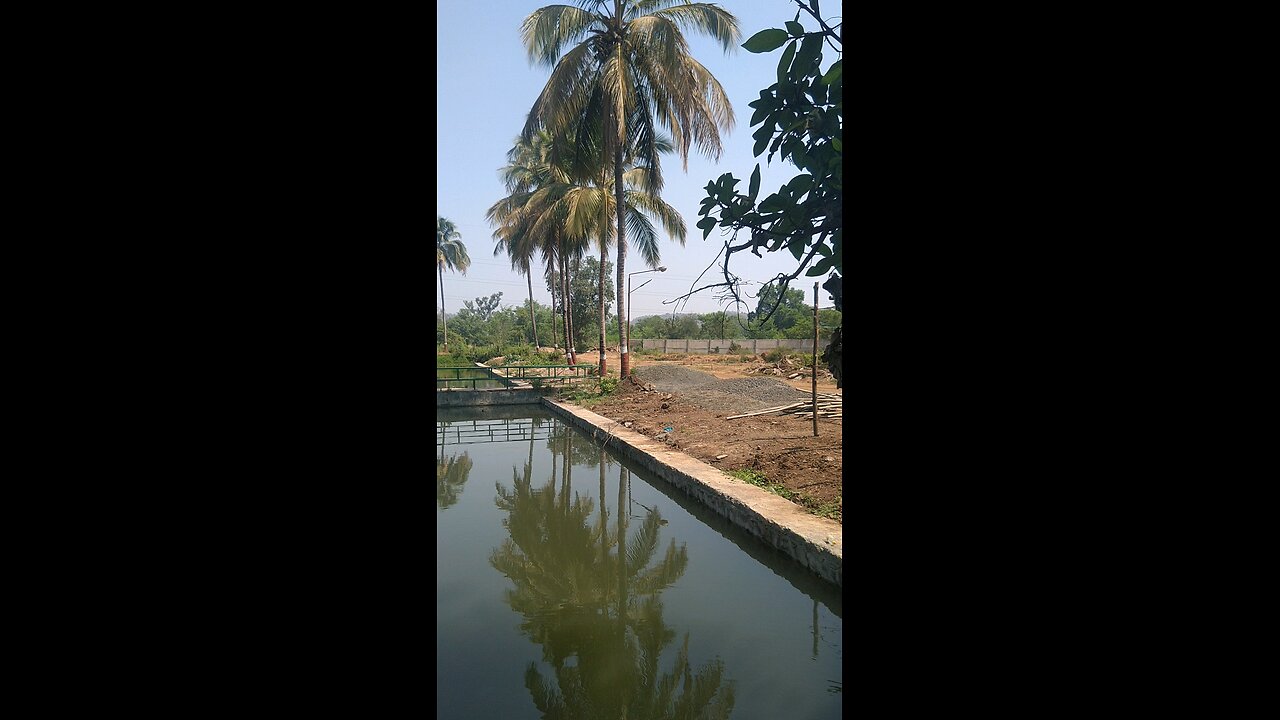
point(572, 584)
point(462, 379)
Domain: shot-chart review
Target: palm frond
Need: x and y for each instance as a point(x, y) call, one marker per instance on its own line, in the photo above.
point(565, 93)
point(615, 80)
point(714, 98)
point(660, 37)
point(647, 141)
point(707, 19)
point(547, 30)
point(644, 7)
point(641, 232)
point(671, 219)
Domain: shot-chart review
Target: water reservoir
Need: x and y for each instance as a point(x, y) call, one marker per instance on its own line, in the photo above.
point(571, 584)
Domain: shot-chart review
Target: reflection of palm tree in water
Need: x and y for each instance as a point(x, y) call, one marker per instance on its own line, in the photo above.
point(581, 601)
point(451, 475)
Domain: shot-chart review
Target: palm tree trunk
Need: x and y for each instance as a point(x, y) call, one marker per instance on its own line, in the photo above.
point(573, 322)
point(555, 343)
point(564, 307)
point(569, 330)
point(533, 322)
point(443, 314)
point(602, 252)
point(623, 330)
point(604, 241)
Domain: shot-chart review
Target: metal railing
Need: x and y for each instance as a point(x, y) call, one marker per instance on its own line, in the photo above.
point(461, 382)
point(534, 375)
point(468, 432)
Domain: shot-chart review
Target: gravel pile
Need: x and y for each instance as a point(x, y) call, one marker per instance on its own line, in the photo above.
point(673, 378)
point(729, 396)
point(740, 395)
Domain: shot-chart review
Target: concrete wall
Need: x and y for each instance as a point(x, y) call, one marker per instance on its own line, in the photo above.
point(815, 543)
point(755, 347)
point(497, 396)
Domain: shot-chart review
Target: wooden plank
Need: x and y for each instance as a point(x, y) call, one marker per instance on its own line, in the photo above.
point(766, 411)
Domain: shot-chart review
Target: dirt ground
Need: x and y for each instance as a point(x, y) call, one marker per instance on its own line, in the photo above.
point(780, 447)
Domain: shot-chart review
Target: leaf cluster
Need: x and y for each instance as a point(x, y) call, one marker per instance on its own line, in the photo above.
point(799, 118)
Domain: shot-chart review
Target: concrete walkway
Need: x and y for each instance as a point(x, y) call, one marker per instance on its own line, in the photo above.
point(814, 542)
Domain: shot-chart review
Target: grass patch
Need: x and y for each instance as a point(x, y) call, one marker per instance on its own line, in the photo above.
point(590, 392)
point(755, 478)
point(833, 510)
point(773, 355)
point(454, 360)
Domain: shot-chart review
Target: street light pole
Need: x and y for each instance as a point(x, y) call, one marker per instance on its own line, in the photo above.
point(624, 336)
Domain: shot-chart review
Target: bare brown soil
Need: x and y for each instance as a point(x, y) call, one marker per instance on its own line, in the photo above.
point(782, 448)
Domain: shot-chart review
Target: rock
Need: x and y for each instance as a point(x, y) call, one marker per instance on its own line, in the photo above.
point(721, 457)
point(829, 459)
point(627, 424)
point(666, 405)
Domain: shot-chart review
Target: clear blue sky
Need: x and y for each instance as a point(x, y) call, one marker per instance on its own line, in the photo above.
point(485, 86)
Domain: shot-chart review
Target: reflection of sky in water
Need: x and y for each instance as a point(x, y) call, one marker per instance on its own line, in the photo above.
point(739, 606)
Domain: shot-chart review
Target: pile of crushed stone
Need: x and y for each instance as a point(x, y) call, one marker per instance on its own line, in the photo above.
point(672, 378)
point(728, 396)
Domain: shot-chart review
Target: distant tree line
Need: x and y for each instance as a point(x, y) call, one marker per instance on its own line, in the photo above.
point(484, 322)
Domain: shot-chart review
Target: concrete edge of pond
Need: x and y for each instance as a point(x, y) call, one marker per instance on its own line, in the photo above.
point(460, 397)
point(814, 542)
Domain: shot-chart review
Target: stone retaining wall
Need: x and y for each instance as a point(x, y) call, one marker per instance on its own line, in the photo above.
point(814, 542)
point(457, 397)
point(685, 345)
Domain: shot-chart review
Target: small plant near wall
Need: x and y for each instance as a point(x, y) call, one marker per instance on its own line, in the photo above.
point(833, 510)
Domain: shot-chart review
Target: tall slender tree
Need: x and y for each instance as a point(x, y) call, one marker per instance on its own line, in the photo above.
point(559, 206)
point(626, 65)
point(450, 253)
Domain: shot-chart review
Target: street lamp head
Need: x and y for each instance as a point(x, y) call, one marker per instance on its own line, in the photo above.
point(662, 269)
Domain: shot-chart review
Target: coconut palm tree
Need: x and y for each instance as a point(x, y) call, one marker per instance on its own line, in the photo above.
point(451, 253)
point(521, 256)
point(527, 168)
point(626, 65)
point(567, 193)
point(532, 165)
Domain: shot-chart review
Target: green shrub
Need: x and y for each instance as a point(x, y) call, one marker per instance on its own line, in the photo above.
point(455, 359)
point(589, 392)
point(522, 353)
point(774, 355)
point(751, 476)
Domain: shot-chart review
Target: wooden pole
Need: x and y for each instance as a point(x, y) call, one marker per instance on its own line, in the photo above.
point(815, 359)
